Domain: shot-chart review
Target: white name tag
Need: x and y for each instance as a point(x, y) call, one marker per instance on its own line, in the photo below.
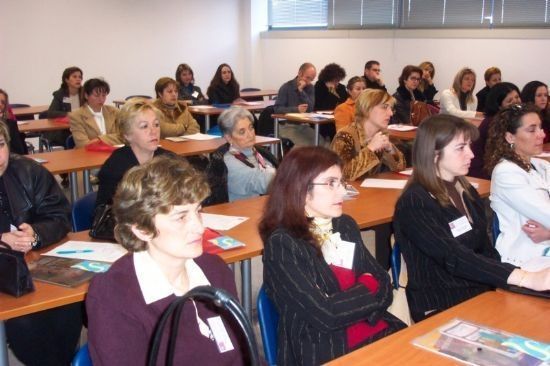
point(195, 94)
point(66, 100)
point(220, 334)
point(344, 254)
point(460, 226)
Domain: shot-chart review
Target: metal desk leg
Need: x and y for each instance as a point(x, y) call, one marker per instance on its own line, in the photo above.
point(206, 123)
point(3, 345)
point(316, 134)
point(246, 278)
point(87, 184)
point(74, 186)
point(276, 135)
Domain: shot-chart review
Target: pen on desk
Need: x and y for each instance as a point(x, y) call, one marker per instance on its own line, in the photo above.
point(74, 251)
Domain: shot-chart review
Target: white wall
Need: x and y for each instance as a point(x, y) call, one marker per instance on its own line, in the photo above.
point(131, 43)
point(522, 55)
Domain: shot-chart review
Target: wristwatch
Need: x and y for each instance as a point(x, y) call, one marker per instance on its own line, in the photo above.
point(36, 240)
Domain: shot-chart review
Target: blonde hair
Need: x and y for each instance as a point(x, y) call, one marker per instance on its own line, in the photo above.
point(457, 83)
point(130, 111)
point(150, 189)
point(368, 99)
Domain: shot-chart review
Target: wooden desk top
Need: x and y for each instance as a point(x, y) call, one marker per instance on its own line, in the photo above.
point(258, 93)
point(520, 314)
point(35, 109)
point(403, 135)
point(299, 119)
point(74, 160)
point(41, 125)
point(47, 296)
point(208, 110)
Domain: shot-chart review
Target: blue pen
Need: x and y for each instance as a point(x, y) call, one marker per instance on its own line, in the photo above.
point(74, 251)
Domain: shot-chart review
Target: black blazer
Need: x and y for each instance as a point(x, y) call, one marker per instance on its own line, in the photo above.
point(443, 270)
point(313, 312)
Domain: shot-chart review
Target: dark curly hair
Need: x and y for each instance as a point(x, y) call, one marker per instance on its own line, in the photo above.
point(497, 148)
point(332, 72)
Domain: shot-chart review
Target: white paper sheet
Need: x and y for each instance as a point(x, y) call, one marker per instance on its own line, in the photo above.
point(202, 107)
point(196, 136)
point(406, 172)
point(384, 183)
point(104, 252)
point(399, 127)
point(221, 222)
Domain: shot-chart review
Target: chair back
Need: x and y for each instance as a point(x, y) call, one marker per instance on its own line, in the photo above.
point(495, 228)
point(138, 96)
point(82, 357)
point(268, 319)
point(69, 143)
point(395, 264)
point(83, 212)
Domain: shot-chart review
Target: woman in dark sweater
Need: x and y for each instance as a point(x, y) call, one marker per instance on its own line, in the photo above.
point(158, 221)
point(139, 124)
point(224, 88)
point(440, 225)
point(330, 293)
point(329, 92)
point(501, 96)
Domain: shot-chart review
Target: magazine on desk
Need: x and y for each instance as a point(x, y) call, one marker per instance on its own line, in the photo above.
point(475, 344)
point(66, 272)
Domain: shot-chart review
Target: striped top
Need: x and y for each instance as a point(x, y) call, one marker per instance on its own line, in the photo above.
point(443, 270)
point(313, 312)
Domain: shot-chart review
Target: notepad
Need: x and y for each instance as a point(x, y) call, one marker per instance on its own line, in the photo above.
point(384, 183)
point(400, 127)
point(221, 222)
point(91, 251)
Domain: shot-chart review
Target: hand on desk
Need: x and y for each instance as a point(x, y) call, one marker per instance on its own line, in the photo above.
point(302, 108)
point(538, 281)
point(20, 240)
point(379, 142)
point(535, 231)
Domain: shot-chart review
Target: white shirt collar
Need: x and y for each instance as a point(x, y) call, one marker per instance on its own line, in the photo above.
point(155, 286)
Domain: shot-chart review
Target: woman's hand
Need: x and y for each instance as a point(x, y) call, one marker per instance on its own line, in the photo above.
point(535, 231)
point(379, 142)
point(426, 76)
point(20, 240)
point(538, 281)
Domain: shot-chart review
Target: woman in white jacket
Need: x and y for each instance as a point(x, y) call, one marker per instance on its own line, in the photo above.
point(460, 100)
point(520, 184)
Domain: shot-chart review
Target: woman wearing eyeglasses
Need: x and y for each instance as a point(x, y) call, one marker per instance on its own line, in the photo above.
point(440, 225)
point(520, 183)
point(407, 93)
point(364, 146)
point(330, 293)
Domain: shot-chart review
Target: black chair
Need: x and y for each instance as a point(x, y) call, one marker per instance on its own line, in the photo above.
point(138, 96)
point(252, 90)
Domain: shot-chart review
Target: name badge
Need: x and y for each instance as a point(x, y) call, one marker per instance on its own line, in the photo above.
point(460, 226)
point(344, 254)
point(195, 94)
point(66, 100)
point(220, 334)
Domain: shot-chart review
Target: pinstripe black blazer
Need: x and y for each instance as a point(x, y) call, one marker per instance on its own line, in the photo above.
point(443, 270)
point(313, 311)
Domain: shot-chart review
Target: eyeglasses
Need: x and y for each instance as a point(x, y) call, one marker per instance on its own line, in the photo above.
point(414, 79)
point(332, 183)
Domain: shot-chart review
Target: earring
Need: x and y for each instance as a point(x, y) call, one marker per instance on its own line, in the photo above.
point(511, 145)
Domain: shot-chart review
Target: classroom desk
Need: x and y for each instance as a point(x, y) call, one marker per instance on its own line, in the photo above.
point(41, 125)
point(520, 314)
point(75, 160)
point(36, 109)
point(208, 110)
point(296, 119)
point(48, 296)
point(403, 135)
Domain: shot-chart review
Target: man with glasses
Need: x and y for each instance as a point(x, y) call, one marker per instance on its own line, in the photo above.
point(372, 75)
point(297, 96)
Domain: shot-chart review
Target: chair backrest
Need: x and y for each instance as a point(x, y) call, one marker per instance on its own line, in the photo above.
point(82, 357)
point(268, 319)
point(138, 96)
point(250, 89)
point(495, 228)
point(83, 212)
point(395, 264)
point(69, 143)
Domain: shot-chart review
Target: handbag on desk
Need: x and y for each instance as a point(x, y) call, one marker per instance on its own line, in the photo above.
point(103, 226)
point(15, 278)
